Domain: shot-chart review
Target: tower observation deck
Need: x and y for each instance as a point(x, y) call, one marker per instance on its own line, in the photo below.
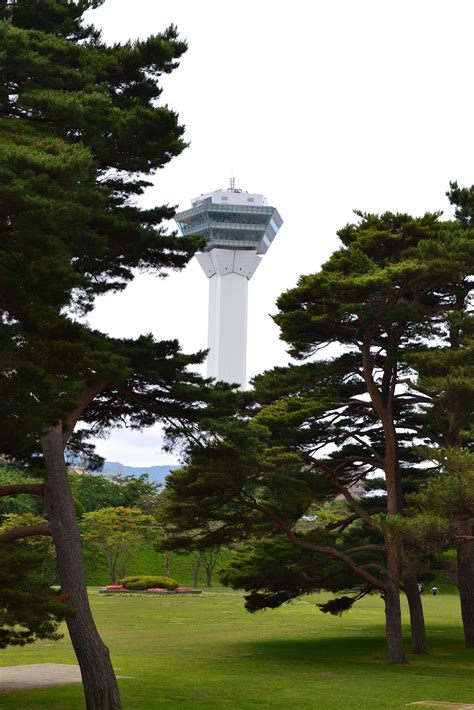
point(239, 227)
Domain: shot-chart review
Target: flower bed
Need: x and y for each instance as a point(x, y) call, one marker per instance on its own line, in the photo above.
point(178, 590)
point(120, 589)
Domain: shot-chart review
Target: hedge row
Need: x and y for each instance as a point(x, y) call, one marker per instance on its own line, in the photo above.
point(148, 582)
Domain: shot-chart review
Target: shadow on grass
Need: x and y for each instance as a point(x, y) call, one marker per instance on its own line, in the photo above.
point(325, 653)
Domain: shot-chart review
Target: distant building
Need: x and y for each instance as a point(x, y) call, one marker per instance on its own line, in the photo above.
point(357, 490)
point(80, 470)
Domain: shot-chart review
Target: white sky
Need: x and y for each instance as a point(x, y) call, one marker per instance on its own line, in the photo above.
point(323, 106)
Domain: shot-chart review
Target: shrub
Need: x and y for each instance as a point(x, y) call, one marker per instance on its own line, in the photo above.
point(148, 582)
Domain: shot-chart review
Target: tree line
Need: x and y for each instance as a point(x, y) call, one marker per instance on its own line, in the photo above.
point(117, 516)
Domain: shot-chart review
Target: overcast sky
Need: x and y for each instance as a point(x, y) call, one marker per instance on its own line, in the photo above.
point(324, 107)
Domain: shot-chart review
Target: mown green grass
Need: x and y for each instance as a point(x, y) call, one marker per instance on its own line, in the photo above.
point(206, 651)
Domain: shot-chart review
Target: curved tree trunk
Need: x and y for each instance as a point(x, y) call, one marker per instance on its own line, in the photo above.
point(465, 560)
point(98, 677)
point(417, 619)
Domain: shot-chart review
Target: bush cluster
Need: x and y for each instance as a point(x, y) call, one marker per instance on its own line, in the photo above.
point(148, 582)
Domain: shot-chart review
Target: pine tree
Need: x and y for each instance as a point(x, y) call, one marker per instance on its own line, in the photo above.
point(379, 298)
point(66, 100)
point(376, 296)
point(81, 129)
point(445, 380)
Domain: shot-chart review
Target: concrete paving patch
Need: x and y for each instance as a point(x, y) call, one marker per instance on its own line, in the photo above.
point(443, 705)
point(38, 675)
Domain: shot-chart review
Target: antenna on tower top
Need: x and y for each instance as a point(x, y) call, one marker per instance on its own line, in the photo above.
point(232, 184)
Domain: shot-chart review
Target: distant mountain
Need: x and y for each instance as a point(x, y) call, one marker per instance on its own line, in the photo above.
point(155, 473)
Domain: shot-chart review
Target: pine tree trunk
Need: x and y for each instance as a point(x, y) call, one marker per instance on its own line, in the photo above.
point(383, 404)
point(417, 619)
point(393, 612)
point(465, 560)
point(98, 677)
point(393, 626)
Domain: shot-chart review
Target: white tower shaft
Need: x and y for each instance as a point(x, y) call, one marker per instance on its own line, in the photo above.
point(236, 226)
point(229, 272)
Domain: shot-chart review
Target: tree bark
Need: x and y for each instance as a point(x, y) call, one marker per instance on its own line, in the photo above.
point(393, 612)
point(32, 489)
point(393, 621)
point(27, 531)
point(417, 619)
point(98, 677)
point(465, 560)
point(383, 405)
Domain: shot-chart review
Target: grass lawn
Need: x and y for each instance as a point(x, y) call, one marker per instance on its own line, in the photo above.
point(206, 651)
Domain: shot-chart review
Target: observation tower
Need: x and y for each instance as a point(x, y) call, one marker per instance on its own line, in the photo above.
point(239, 227)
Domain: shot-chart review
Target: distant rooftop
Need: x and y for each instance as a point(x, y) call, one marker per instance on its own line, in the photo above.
point(230, 196)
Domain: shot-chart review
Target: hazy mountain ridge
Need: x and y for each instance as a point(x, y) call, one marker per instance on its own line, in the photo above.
point(155, 473)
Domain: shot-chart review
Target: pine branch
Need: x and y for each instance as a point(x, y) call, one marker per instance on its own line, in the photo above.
point(365, 548)
point(27, 531)
point(369, 446)
point(73, 417)
point(252, 504)
point(353, 503)
point(33, 489)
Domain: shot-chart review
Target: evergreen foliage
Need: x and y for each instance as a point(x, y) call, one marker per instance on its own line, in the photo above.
point(29, 609)
point(82, 130)
point(387, 298)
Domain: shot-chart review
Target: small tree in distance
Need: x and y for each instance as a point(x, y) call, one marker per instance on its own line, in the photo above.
point(117, 532)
